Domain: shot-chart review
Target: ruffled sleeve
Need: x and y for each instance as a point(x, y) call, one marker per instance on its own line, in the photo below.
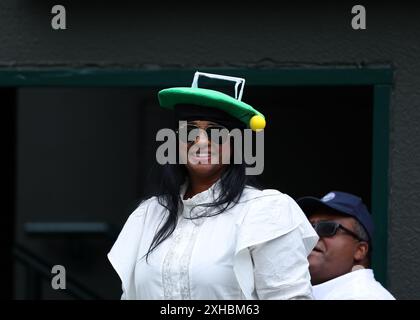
point(124, 252)
point(273, 222)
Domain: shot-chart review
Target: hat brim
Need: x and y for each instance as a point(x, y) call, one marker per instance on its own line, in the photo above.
point(309, 204)
point(168, 98)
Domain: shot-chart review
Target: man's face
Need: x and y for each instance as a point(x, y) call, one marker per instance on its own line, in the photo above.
point(332, 256)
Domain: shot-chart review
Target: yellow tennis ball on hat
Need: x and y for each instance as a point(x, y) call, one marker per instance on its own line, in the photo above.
point(257, 123)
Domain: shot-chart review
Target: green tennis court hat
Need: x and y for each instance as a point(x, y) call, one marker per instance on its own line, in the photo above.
point(169, 98)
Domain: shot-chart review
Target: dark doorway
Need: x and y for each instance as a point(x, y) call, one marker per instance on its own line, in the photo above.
point(86, 155)
point(317, 138)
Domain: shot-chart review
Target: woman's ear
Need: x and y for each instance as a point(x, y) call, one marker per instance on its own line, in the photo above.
point(361, 251)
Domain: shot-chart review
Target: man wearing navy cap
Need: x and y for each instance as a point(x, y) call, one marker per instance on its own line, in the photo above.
point(340, 262)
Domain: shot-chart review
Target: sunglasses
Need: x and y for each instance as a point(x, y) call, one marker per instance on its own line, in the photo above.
point(194, 131)
point(330, 228)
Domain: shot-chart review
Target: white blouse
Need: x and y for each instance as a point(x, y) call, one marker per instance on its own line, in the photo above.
point(355, 285)
point(256, 250)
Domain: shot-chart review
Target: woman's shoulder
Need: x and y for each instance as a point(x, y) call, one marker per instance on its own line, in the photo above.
point(144, 206)
point(270, 205)
point(252, 194)
point(271, 214)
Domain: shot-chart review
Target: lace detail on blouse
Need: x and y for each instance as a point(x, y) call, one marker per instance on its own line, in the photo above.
point(175, 272)
point(176, 264)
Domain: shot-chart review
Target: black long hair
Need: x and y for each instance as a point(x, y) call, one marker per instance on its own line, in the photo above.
point(172, 176)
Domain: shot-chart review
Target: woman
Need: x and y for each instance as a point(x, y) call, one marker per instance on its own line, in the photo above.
point(210, 233)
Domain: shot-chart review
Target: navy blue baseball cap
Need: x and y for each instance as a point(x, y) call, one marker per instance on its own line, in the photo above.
point(345, 203)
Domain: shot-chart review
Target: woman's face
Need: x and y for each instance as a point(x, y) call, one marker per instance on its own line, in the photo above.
point(203, 157)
